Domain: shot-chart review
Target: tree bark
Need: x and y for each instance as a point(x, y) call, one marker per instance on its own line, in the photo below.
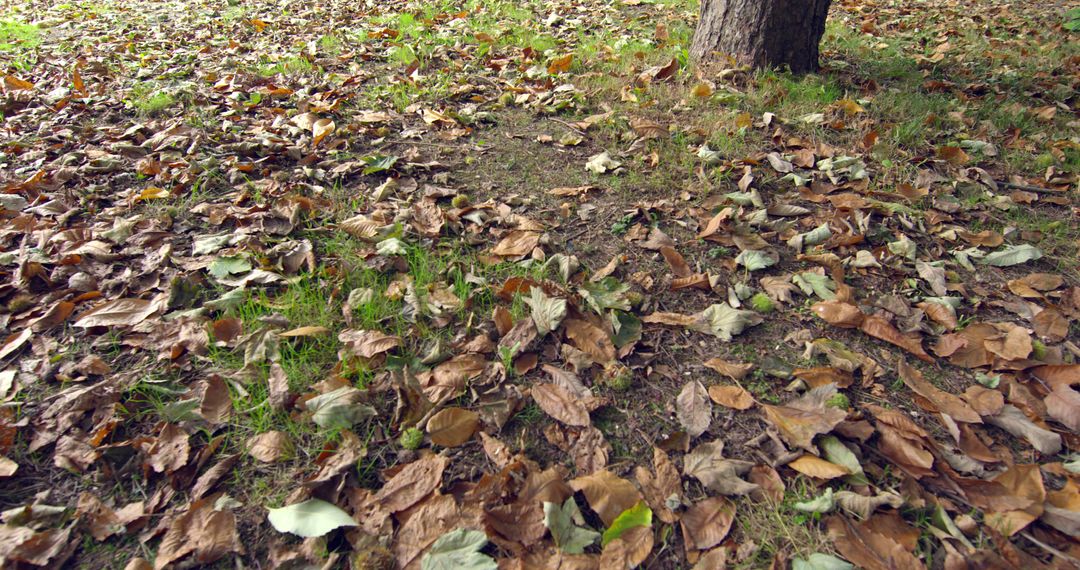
point(762, 33)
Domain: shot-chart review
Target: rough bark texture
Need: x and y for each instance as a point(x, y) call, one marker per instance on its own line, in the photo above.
point(762, 33)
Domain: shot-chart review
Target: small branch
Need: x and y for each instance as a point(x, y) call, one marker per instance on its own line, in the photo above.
point(568, 125)
point(1029, 188)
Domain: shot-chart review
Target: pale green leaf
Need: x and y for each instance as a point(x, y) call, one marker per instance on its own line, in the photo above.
point(310, 518)
point(815, 284)
point(754, 260)
point(724, 322)
point(223, 267)
point(458, 549)
point(547, 312)
point(836, 452)
point(569, 537)
point(1012, 255)
point(608, 293)
point(338, 408)
point(822, 504)
point(390, 246)
point(819, 561)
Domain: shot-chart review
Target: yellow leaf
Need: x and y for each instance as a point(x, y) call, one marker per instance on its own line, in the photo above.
point(702, 90)
point(152, 193)
point(818, 467)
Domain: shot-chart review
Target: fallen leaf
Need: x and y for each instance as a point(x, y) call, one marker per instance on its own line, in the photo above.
point(817, 467)
point(560, 404)
point(801, 419)
point(706, 523)
point(452, 427)
point(310, 518)
point(945, 402)
point(707, 464)
point(269, 447)
point(693, 409)
point(734, 397)
point(607, 494)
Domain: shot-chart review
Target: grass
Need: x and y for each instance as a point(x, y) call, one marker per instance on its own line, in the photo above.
point(15, 35)
point(149, 98)
point(779, 527)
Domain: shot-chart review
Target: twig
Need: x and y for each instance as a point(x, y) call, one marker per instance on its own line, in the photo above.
point(1051, 549)
point(568, 125)
point(1029, 188)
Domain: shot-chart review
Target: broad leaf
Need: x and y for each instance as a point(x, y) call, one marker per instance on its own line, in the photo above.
point(1012, 255)
point(637, 515)
point(311, 518)
point(568, 536)
point(458, 549)
point(547, 312)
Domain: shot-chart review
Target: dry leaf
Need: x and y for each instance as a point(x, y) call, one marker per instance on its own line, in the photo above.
point(270, 447)
point(818, 467)
point(801, 419)
point(452, 427)
point(707, 523)
point(693, 409)
point(607, 494)
point(560, 404)
point(734, 397)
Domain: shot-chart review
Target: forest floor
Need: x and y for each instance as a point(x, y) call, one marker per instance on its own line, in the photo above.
point(514, 282)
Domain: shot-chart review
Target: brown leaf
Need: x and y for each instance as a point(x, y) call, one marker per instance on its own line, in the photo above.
point(1058, 375)
point(734, 397)
point(170, 450)
point(868, 549)
point(945, 402)
point(838, 314)
point(99, 517)
point(693, 409)
point(305, 331)
point(414, 482)
point(516, 244)
point(629, 550)
point(452, 427)
point(1063, 404)
point(368, 344)
point(817, 467)
point(878, 327)
point(1014, 344)
point(216, 404)
point(734, 370)
point(203, 532)
point(984, 401)
point(707, 464)
point(270, 447)
point(803, 418)
point(772, 486)
point(676, 262)
point(707, 523)
point(1051, 325)
point(608, 494)
point(940, 314)
point(227, 329)
point(560, 404)
point(662, 486)
point(278, 384)
point(117, 313)
point(55, 316)
point(822, 375)
point(590, 339)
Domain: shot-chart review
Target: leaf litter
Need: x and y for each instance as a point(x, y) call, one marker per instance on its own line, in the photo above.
point(262, 278)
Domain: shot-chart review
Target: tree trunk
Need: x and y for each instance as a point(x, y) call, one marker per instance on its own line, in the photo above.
point(762, 33)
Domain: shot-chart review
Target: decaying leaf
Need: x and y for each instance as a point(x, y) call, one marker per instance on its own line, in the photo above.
point(801, 419)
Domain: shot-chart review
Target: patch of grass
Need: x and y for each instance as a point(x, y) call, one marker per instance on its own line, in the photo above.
point(15, 35)
point(777, 527)
point(148, 98)
point(289, 65)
